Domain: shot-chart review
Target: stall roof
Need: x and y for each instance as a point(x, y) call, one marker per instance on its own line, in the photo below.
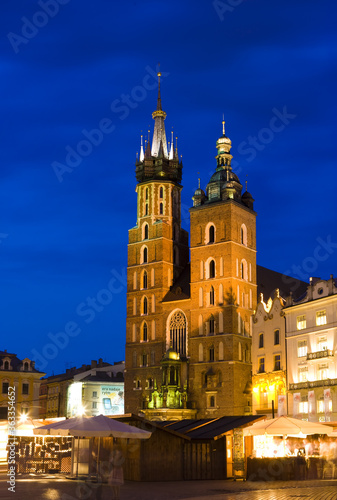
point(209, 428)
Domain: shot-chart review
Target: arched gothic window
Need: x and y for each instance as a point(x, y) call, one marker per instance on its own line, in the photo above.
point(161, 192)
point(211, 234)
point(243, 235)
point(147, 193)
point(146, 232)
point(144, 332)
point(177, 327)
point(211, 296)
point(145, 279)
point(211, 325)
point(145, 255)
point(161, 208)
point(145, 305)
point(212, 269)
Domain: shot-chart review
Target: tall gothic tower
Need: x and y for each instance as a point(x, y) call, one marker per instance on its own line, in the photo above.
point(223, 291)
point(188, 338)
point(157, 253)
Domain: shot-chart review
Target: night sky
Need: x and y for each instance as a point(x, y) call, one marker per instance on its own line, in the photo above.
point(69, 67)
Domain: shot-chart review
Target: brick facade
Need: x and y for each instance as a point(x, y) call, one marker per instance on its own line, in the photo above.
point(198, 305)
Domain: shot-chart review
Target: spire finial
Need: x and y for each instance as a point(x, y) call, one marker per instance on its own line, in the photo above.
point(223, 124)
point(246, 182)
point(141, 156)
point(198, 180)
point(159, 108)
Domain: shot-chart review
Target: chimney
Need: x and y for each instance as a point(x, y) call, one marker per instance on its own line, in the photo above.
point(93, 363)
point(100, 362)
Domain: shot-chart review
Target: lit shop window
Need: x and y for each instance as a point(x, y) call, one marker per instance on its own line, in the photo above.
point(303, 374)
point(302, 348)
point(323, 371)
point(322, 343)
point(301, 322)
point(320, 318)
point(321, 407)
point(303, 407)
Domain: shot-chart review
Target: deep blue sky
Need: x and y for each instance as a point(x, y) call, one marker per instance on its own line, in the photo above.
point(62, 242)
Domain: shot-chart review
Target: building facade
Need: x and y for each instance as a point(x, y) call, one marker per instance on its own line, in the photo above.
point(64, 395)
point(311, 337)
point(189, 308)
point(25, 379)
point(269, 357)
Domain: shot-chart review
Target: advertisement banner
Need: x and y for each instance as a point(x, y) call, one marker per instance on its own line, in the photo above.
point(312, 405)
point(296, 403)
point(327, 399)
point(112, 397)
point(282, 406)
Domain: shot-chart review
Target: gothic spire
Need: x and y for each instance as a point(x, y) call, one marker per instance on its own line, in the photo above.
point(159, 135)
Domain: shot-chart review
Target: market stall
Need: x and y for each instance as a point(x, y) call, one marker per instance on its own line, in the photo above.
point(285, 448)
point(88, 455)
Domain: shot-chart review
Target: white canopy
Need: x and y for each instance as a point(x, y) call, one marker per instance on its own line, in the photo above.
point(99, 426)
point(286, 426)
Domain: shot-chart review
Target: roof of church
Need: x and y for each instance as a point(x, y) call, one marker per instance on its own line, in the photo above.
point(180, 290)
point(268, 281)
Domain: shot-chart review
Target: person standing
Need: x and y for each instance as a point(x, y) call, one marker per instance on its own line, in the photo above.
point(116, 476)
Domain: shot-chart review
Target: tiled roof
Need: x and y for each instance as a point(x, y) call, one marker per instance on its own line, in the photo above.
point(208, 428)
point(268, 281)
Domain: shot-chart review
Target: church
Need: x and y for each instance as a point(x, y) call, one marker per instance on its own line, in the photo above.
point(189, 304)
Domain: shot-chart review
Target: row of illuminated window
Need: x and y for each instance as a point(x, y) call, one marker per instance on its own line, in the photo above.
point(321, 345)
point(210, 269)
point(321, 319)
point(146, 229)
point(149, 383)
point(144, 255)
point(212, 354)
point(52, 404)
point(211, 234)
point(54, 389)
point(145, 303)
point(277, 363)
point(160, 201)
point(209, 298)
point(213, 325)
point(143, 359)
point(276, 339)
point(24, 389)
point(147, 279)
point(321, 372)
point(321, 406)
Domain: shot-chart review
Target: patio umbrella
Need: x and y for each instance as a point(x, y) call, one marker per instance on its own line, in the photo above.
point(61, 428)
point(286, 426)
point(99, 426)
